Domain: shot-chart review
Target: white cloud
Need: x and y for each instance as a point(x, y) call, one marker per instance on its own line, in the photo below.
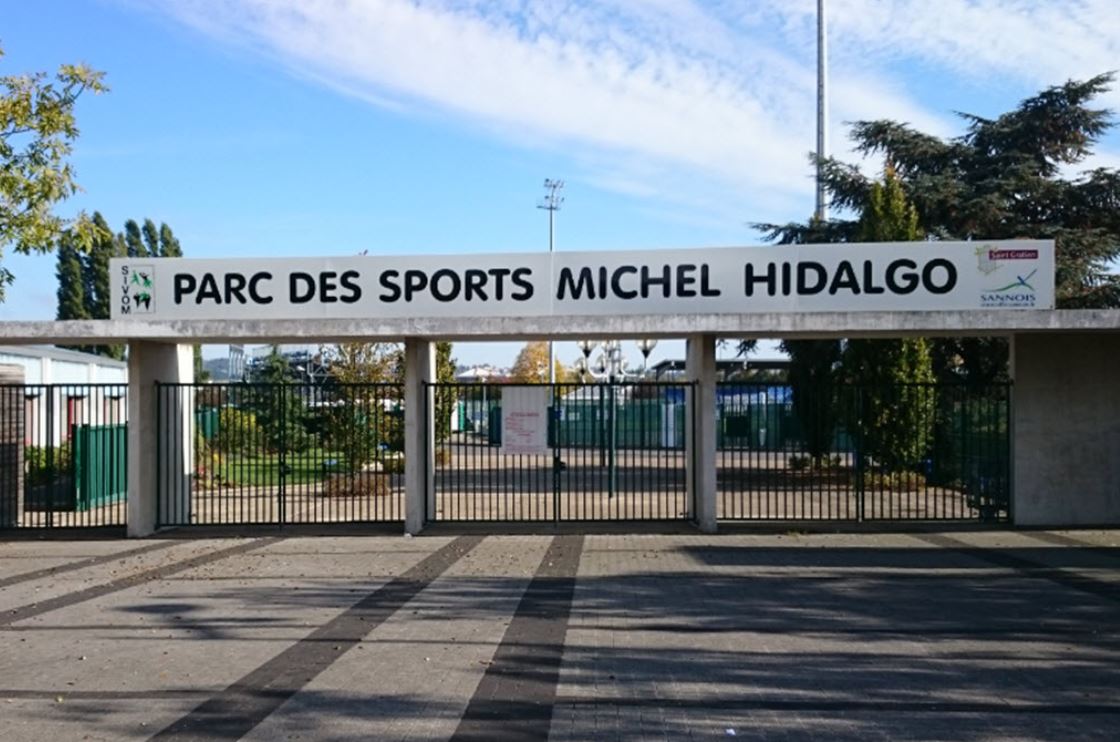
point(644, 91)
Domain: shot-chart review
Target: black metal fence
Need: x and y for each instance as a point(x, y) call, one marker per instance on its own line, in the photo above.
point(863, 452)
point(252, 453)
point(63, 455)
point(563, 452)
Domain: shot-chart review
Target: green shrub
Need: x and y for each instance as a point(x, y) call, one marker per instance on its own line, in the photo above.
point(44, 464)
point(238, 431)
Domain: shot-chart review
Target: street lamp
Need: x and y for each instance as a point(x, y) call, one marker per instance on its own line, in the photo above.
point(646, 345)
point(610, 366)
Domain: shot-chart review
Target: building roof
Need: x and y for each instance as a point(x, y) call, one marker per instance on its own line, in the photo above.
point(60, 354)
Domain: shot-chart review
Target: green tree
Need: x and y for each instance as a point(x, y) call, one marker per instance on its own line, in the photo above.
point(150, 234)
point(531, 365)
point(812, 377)
point(364, 413)
point(105, 246)
point(168, 243)
point(279, 407)
point(446, 396)
point(71, 291)
point(1002, 178)
point(37, 131)
point(894, 413)
point(134, 241)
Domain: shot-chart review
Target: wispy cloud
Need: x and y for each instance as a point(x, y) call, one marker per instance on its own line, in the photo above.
point(644, 90)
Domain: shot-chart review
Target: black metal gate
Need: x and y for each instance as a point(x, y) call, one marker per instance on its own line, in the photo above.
point(863, 452)
point(63, 455)
point(281, 453)
point(603, 452)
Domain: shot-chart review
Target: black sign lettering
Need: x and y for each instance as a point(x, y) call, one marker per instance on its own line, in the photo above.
point(475, 284)
point(616, 282)
point(301, 287)
point(349, 282)
point(392, 289)
point(946, 284)
point(208, 290)
point(909, 279)
point(575, 287)
point(844, 278)
point(520, 279)
point(235, 288)
point(184, 284)
point(804, 288)
point(414, 282)
point(705, 283)
point(770, 279)
point(255, 290)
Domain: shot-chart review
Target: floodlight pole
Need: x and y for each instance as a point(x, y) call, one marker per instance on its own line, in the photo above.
point(822, 107)
point(551, 203)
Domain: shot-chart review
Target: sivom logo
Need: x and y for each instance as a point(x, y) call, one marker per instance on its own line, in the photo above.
point(137, 288)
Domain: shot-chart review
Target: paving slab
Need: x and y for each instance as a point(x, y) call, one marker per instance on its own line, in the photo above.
point(957, 635)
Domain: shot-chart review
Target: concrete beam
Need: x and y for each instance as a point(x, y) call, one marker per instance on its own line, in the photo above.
point(147, 478)
point(419, 433)
point(700, 368)
point(1066, 428)
point(785, 325)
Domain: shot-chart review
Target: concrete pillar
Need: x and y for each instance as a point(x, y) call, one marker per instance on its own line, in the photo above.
point(148, 363)
point(700, 367)
point(13, 410)
point(1066, 430)
point(419, 433)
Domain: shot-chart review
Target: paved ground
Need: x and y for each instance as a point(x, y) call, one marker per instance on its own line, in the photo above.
point(965, 635)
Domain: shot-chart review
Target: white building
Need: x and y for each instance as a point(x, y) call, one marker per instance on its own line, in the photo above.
point(63, 388)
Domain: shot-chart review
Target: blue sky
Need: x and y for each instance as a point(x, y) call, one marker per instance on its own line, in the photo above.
point(316, 127)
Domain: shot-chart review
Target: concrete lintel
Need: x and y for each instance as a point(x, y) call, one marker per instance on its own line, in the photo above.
point(786, 325)
point(419, 433)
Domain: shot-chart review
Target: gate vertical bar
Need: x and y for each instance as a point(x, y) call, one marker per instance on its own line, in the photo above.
point(281, 398)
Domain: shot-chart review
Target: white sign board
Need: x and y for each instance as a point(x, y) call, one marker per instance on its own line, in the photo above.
point(525, 419)
point(901, 276)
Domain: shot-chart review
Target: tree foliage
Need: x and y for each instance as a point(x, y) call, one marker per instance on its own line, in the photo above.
point(280, 409)
point(1004, 177)
point(95, 287)
point(71, 289)
point(894, 413)
point(531, 365)
point(446, 396)
point(37, 132)
point(359, 419)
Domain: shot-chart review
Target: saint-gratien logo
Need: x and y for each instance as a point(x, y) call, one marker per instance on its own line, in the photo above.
point(137, 288)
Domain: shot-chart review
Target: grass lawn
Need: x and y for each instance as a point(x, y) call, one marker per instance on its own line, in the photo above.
point(264, 470)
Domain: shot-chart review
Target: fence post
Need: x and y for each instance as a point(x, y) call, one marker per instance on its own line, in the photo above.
point(700, 452)
point(13, 426)
point(419, 433)
point(149, 362)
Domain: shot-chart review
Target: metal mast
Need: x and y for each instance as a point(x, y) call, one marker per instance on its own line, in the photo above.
point(822, 106)
point(551, 203)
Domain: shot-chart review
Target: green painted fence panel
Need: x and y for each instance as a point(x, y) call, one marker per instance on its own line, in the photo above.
point(100, 465)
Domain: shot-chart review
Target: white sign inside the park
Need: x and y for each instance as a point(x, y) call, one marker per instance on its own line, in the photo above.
point(853, 277)
point(525, 420)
